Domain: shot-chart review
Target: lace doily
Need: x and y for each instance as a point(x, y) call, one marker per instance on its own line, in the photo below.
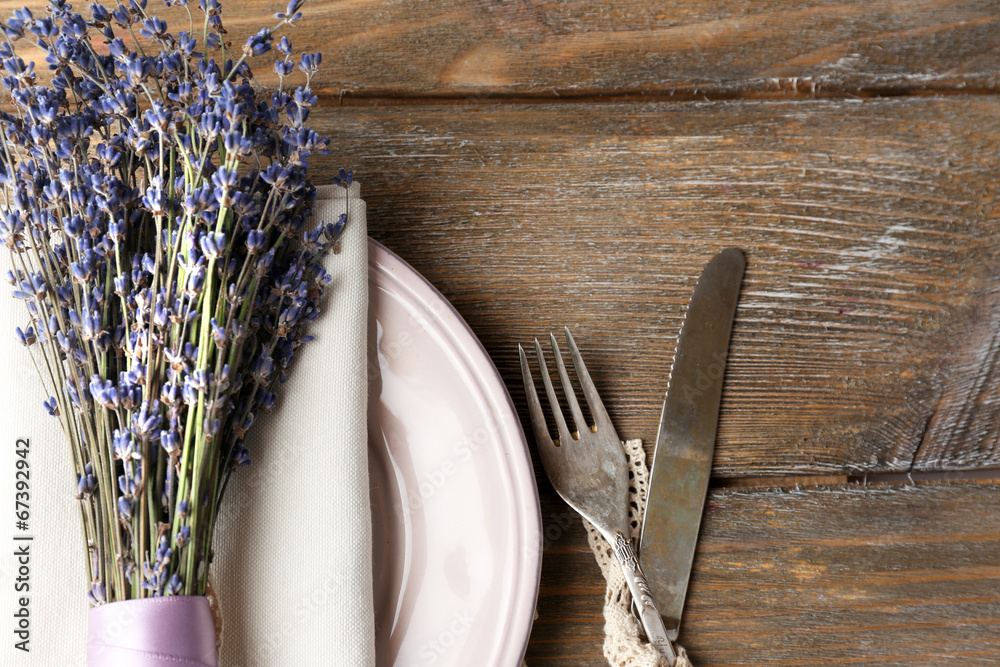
point(623, 646)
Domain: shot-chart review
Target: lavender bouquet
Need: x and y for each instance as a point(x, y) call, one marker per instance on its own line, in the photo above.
point(157, 211)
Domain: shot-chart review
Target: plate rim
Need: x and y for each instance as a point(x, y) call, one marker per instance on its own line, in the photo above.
point(521, 468)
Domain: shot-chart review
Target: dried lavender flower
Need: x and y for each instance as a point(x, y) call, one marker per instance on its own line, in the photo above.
point(158, 214)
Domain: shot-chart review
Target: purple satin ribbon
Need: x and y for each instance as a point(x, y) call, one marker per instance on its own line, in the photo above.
point(176, 631)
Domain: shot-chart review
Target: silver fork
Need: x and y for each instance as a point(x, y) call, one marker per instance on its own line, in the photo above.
point(589, 471)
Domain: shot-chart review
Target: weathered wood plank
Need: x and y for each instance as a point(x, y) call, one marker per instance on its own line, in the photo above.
point(457, 48)
point(962, 429)
point(886, 575)
point(870, 230)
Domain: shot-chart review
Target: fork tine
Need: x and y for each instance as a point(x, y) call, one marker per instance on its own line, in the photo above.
point(568, 391)
point(563, 430)
point(534, 406)
point(593, 398)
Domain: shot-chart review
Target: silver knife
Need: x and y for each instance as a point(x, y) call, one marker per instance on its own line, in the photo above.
point(682, 461)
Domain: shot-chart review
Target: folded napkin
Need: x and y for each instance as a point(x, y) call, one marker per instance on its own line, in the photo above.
point(292, 570)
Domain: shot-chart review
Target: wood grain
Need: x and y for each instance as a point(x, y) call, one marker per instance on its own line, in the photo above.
point(884, 575)
point(696, 48)
point(870, 231)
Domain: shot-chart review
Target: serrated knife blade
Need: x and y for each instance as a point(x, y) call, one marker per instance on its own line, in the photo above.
point(685, 443)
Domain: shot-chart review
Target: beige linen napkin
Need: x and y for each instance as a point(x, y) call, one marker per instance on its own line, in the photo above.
point(293, 543)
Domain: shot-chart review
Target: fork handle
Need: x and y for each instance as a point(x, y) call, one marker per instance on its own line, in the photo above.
point(652, 623)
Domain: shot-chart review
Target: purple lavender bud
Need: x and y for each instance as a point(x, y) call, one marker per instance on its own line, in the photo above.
point(237, 144)
point(25, 337)
point(183, 536)
point(170, 441)
point(337, 228)
point(210, 7)
point(125, 508)
point(154, 28)
point(91, 324)
point(218, 333)
point(289, 316)
point(117, 336)
point(53, 193)
point(264, 263)
point(161, 316)
point(196, 281)
point(97, 594)
point(45, 27)
point(103, 341)
point(242, 456)
point(344, 178)
point(66, 341)
point(159, 117)
point(276, 174)
point(200, 380)
point(255, 241)
point(99, 13)
point(155, 198)
point(35, 287)
point(291, 10)
point(73, 226)
point(145, 424)
point(86, 483)
point(322, 278)
point(184, 508)
point(189, 393)
point(118, 50)
point(163, 551)
point(212, 245)
point(152, 579)
point(290, 18)
point(82, 272)
point(175, 586)
point(169, 395)
point(104, 392)
point(108, 154)
point(266, 400)
point(185, 42)
point(259, 44)
point(135, 375)
point(262, 369)
point(51, 406)
point(125, 446)
point(136, 69)
point(64, 293)
point(225, 178)
point(121, 284)
point(116, 231)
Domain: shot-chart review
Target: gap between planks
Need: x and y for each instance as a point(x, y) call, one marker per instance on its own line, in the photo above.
point(981, 476)
point(780, 90)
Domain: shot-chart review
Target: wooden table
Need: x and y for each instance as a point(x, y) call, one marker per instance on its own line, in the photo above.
point(578, 162)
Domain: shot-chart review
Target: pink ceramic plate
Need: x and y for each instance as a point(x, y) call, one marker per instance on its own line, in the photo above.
point(455, 514)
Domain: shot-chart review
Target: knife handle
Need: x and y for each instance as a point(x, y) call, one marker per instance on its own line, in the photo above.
point(652, 623)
